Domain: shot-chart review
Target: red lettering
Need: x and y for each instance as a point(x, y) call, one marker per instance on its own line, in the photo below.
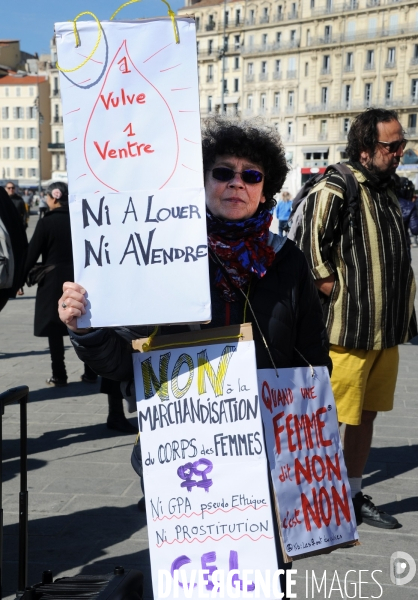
point(123, 96)
point(140, 98)
point(123, 153)
point(123, 65)
point(112, 154)
point(278, 430)
point(130, 146)
point(139, 146)
point(115, 102)
point(130, 98)
point(129, 128)
point(309, 511)
point(308, 393)
point(317, 459)
point(321, 425)
point(341, 503)
point(306, 472)
point(100, 151)
point(334, 468)
point(290, 432)
point(108, 100)
point(323, 495)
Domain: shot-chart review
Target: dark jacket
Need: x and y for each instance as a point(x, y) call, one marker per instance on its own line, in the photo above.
point(409, 216)
point(286, 305)
point(18, 240)
point(52, 241)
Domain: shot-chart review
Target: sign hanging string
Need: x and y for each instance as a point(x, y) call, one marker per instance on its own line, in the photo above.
point(171, 14)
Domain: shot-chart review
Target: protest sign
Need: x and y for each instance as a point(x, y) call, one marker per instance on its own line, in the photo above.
point(133, 147)
point(205, 469)
point(306, 460)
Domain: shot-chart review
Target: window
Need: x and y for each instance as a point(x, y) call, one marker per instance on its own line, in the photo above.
point(18, 112)
point(238, 16)
point(393, 24)
point(265, 17)
point(31, 112)
point(19, 172)
point(291, 99)
point(6, 153)
point(312, 3)
point(412, 121)
point(226, 42)
point(32, 172)
point(225, 86)
point(264, 40)
point(263, 101)
point(236, 42)
point(389, 90)
point(236, 85)
point(293, 11)
point(306, 69)
point(308, 37)
point(326, 63)
point(347, 95)
point(279, 38)
point(210, 73)
point(6, 91)
point(250, 68)
point(209, 104)
point(5, 112)
point(278, 65)
point(290, 128)
point(292, 36)
point(236, 62)
point(18, 91)
point(226, 17)
point(252, 17)
point(368, 94)
point(57, 137)
point(391, 55)
point(323, 127)
point(327, 33)
point(279, 12)
point(414, 89)
point(351, 30)
point(346, 125)
point(19, 152)
point(277, 100)
point(415, 50)
point(264, 66)
point(251, 41)
point(19, 133)
point(31, 91)
point(250, 101)
point(370, 58)
point(305, 95)
point(210, 46)
point(32, 152)
point(197, 47)
point(349, 61)
point(5, 133)
point(57, 162)
point(324, 96)
point(304, 129)
point(372, 26)
point(197, 21)
point(329, 5)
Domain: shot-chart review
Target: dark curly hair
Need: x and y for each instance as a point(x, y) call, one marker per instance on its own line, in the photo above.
point(363, 131)
point(258, 144)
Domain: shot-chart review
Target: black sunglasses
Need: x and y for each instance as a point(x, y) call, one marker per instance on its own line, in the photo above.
point(247, 176)
point(393, 147)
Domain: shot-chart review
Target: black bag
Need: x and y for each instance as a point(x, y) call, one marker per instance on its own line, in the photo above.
point(294, 223)
point(37, 273)
point(119, 585)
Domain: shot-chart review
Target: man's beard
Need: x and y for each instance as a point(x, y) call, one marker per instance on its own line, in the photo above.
point(380, 173)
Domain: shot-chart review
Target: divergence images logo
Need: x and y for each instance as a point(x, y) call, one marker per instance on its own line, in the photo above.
point(402, 568)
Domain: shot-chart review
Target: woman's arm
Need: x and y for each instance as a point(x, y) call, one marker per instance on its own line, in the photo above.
point(36, 247)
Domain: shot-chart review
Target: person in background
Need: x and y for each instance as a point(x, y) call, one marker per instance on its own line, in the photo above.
point(404, 189)
point(283, 210)
point(18, 202)
point(19, 242)
point(52, 241)
point(359, 260)
point(43, 206)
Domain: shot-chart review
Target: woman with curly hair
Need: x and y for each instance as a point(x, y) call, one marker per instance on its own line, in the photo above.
point(255, 276)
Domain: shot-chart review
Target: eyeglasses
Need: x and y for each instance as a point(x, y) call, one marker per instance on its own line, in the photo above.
point(250, 176)
point(393, 147)
point(10, 187)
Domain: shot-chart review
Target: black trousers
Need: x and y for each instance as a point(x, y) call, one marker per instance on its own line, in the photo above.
point(56, 349)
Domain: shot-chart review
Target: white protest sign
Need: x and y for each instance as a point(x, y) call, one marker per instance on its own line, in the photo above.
point(134, 159)
point(306, 459)
point(205, 471)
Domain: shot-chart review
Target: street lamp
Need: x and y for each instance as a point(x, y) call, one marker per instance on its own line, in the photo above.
point(222, 55)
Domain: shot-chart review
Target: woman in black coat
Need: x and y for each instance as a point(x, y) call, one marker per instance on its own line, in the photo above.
point(52, 241)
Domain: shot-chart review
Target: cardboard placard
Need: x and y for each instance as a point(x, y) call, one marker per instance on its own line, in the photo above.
point(307, 466)
point(205, 469)
point(133, 147)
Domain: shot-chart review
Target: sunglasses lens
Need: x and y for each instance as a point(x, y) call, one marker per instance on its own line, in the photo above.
point(251, 176)
point(223, 173)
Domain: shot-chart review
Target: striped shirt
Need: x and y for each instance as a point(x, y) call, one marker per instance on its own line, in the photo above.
point(371, 305)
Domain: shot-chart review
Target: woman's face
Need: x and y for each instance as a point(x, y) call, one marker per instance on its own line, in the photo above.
point(52, 203)
point(233, 200)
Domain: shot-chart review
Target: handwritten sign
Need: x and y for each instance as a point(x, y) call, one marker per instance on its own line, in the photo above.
point(306, 460)
point(205, 469)
point(133, 147)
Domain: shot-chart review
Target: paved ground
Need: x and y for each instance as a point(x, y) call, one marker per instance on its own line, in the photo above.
point(83, 492)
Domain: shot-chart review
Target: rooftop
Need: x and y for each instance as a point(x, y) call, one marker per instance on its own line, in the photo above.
point(22, 79)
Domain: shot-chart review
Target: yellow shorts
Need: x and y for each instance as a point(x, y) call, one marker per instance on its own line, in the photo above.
point(363, 380)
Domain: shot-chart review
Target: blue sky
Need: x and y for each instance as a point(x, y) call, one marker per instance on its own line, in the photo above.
point(32, 21)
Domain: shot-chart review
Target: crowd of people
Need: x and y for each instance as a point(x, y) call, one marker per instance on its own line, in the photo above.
point(340, 295)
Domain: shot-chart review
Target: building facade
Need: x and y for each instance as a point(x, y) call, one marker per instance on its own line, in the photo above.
point(56, 146)
point(24, 128)
point(308, 67)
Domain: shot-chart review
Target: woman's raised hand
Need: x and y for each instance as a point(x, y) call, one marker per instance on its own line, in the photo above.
point(72, 304)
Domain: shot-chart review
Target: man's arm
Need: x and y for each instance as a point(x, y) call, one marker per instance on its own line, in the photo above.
point(325, 285)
